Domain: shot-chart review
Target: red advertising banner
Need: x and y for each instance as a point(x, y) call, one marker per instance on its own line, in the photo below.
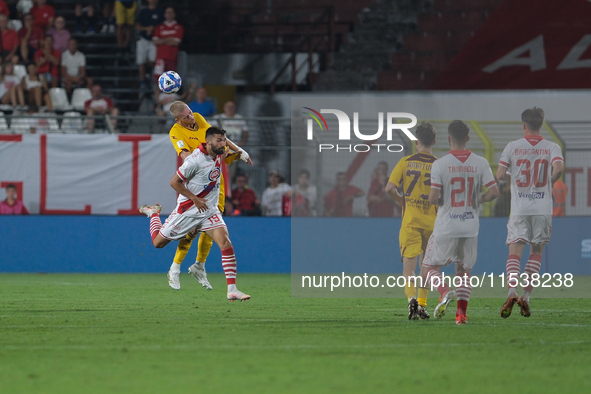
point(526, 45)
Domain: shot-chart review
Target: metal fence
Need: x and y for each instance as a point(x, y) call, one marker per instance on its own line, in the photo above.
point(280, 144)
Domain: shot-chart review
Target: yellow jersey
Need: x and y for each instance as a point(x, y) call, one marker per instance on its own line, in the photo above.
point(183, 138)
point(414, 174)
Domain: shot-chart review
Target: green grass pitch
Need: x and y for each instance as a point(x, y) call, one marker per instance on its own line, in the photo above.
point(123, 333)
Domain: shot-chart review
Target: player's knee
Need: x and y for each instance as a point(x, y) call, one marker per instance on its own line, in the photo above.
point(225, 244)
point(159, 242)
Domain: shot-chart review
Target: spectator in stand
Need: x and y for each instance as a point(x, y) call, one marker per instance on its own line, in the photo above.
point(12, 83)
point(4, 10)
point(100, 105)
point(125, 11)
point(35, 88)
point(339, 201)
point(22, 8)
point(31, 38)
point(10, 42)
point(201, 105)
point(303, 196)
point(272, 201)
point(43, 14)
point(47, 61)
point(108, 17)
point(147, 20)
point(244, 199)
point(559, 192)
point(74, 68)
point(235, 126)
point(86, 23)
point(60, 34)
point(12, 205)
point(167, 37)
point(380, 203)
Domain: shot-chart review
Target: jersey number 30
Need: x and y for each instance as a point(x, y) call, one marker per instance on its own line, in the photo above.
point(540, 173)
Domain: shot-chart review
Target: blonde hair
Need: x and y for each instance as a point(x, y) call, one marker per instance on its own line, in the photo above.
point(176, 108)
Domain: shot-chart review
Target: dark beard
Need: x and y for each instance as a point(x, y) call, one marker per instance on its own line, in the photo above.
point(218, 151)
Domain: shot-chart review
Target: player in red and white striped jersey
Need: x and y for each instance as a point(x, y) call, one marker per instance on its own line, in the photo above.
point(197, 182)
point(456, 181)
point(533, 164)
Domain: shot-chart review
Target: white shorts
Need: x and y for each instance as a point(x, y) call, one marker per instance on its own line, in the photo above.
point(180, 224)
point(145, 51)
point(531, 229)
point(443, 251)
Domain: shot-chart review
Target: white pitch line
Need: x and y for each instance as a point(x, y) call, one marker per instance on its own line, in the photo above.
point(275, 347)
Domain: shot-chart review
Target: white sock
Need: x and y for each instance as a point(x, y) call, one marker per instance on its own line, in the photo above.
point(199, 265)
point(513, 292)
point(175, 267)
point(526, 294)
point(231, 288)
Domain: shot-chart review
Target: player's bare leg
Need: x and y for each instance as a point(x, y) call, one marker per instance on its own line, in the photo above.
point(153, 212)
point(423, 292)
point(533, 265)
point(434, 279)
point(182, 249)
point(463, 292)
point(222, 238)
point(198, 269)
point(409, 265)
point(513, 269)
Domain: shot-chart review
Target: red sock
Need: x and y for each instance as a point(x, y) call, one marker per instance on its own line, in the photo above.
point(462, 306)
point(155, 225)
point(533, 265)
point(463, 292)
point(513, 267)
point(229, 265)
point(442, 288)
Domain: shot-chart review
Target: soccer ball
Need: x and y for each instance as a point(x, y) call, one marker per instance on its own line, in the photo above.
point(169, 82)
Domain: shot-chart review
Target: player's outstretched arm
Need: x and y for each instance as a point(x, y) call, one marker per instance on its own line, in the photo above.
point(177, 184)
point(492, 193)
point(557, 170)
point(244, 156)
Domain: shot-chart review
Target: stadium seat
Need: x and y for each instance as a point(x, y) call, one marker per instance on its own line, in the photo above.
point(52, 123)
point(3, 124)
point(20, 71)
point(21, 125)
point(79, 97)
point(59, 99)
point(72, 122)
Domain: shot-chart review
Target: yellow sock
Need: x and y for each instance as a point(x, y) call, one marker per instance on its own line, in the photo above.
point(205, 244)
point(409, 290)
point(183, 248)
point(423, 294)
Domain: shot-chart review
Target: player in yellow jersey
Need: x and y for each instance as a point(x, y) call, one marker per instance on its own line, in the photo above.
point(186, 135)
point(418, 215)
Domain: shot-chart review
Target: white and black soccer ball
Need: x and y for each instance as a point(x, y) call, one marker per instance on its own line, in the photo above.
point(169, 82)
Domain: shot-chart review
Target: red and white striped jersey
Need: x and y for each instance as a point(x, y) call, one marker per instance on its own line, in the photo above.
point(460, 175)
point(201, 175)
point(529, 160)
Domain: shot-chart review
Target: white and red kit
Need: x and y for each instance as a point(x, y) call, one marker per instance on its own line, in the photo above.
point(529, 161)
point(460, 176)
point(201, 175)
